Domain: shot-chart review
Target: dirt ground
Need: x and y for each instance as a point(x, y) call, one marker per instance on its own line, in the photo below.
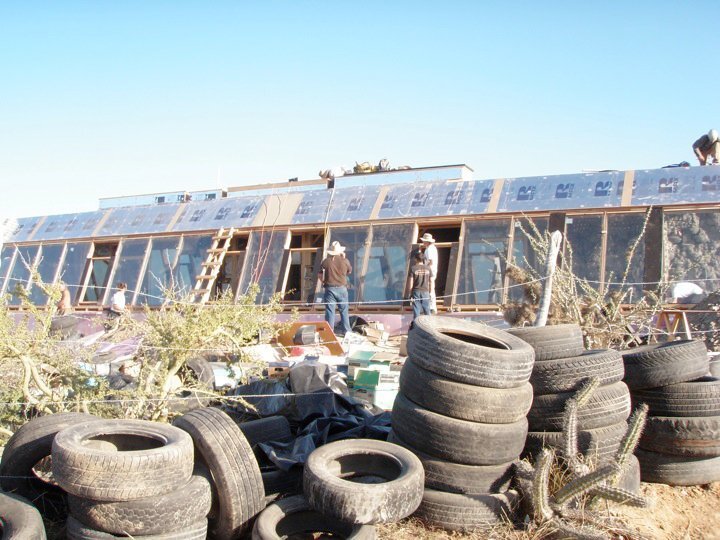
point(675, 513)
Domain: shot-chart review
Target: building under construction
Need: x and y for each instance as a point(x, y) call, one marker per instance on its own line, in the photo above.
point(206, 243)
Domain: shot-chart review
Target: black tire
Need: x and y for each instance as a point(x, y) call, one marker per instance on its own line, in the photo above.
point(65, 326)
point(608, 405)
point(199, 372)
point(700, 397)
point(677, 470)
point(19, 519)
point(278, 482)
point(689, 436)
point(552, 342)
point(161, 514)
point(151, 459)
point(467, 513)
point(459, 441)
point(270, 429)
point(363, 481)
point(28, 446)
point(77, 531)
point(457, 478)
point(238, 493)
point(469, 352)
point(294, 515)
point(661, 364)
point(599, 444)
point(567, 374)
point(467, 402)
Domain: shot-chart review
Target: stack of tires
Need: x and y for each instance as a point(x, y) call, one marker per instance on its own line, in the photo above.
point(681, 441)
point(561, 367)
point(461, 409)
point(348, 486)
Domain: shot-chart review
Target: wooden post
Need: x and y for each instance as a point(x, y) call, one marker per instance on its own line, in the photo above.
point(554, 248)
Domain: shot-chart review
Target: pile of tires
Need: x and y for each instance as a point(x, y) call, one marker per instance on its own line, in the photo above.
point(461, 409)
point(19, 519)
point(681, 441)
point(561, 367)
point(348, 486)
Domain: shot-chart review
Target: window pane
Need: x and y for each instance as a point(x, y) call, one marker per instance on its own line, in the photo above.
point(355, 240)
point(6, 256)
point(73, 267)
point(482, 268)
point(193, 253)
point(20, 273)
point(692, 247)
point(623, 232)
point(99, 271)
point(388, 264)
point(262, 261)
point(159, 272)
point(49, 260)
point(128, 267)
point(524, 256)
point(585, 237)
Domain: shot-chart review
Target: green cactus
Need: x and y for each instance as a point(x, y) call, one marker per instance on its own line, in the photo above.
point(540, 491)
point(632, 435)
point(586, 391)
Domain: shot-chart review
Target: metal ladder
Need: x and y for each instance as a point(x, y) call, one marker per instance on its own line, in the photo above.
point(211, 267)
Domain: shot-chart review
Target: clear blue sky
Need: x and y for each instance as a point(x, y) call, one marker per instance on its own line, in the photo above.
point(118, 98)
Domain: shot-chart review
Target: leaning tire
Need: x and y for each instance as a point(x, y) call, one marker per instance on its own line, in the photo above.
point(270, 429)
point(178, 510)
point(692, 436)
point(237, 483)
point(335, 477)
point(552, 342)
point(567, 374)
point(677, 470)
point(464, 401)
point(77, 531)
point(469, 352)
point(599, 444)
point(199, 372)
point(28, 446)
point(19, 519)
point(661, 364)
point(700, 397)
point(151, 459)
point(294, 515)
point(608, 405)
point(459, 441)
point(467, 513)
point(457, 478)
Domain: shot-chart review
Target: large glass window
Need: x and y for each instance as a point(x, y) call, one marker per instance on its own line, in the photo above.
point(263, 262)
point(100, 266)
point(160, 271)
point(129, 265)
point(584, 234)
point(524, 255)
point(6, 256)
point(355, 240)
point(74, 266)
point(623, 264)
point(20, 274)
point(192, 255)
point(388, 263)
point(482, 269)
point(47, 268)
point(692, 247)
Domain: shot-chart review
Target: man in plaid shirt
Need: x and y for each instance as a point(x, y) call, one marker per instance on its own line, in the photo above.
point(419, 285)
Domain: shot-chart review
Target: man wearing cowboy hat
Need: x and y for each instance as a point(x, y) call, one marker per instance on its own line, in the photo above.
point(707, 148)
point(430, 253)
point(334, 271)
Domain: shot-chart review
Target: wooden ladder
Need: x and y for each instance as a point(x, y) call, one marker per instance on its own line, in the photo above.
point(211, 267)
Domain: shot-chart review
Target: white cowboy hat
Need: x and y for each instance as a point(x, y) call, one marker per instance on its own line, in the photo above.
point(336, 249)
point(427, 237)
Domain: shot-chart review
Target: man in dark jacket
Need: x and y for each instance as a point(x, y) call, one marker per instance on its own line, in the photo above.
point(419, 285)
point(334, 271)
point(707, 148)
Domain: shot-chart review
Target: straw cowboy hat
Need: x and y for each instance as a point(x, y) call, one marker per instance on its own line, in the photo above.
point(336, 249)
point(427, 237)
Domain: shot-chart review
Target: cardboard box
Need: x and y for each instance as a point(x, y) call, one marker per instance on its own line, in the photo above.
point(377, 387)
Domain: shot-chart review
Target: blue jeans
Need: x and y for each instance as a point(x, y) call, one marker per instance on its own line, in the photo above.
point(339, 296)
point(420, 301)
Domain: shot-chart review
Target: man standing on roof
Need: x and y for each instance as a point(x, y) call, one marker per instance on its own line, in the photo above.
point(334, 271)
point(707, 148)
point(430, 253)
point(418, 284)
